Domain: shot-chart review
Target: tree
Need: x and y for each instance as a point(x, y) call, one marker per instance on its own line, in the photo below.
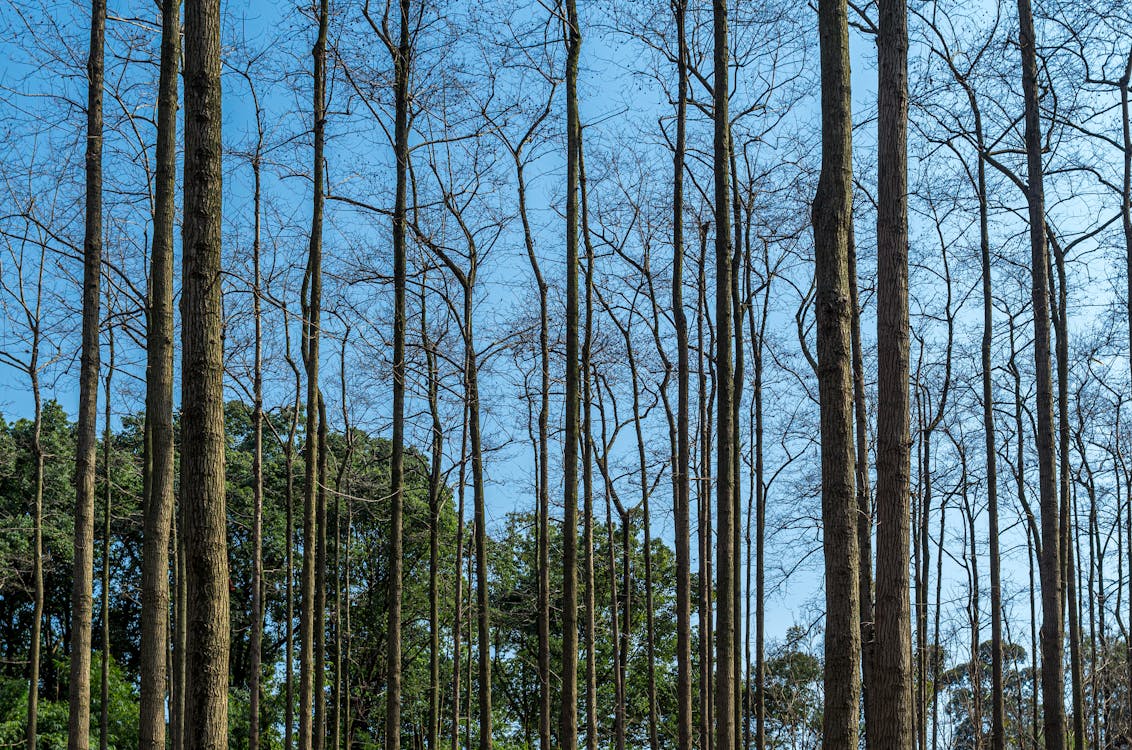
point(832, 218)
point(568, 711)
point(78, 735)
point(159, 465)
point(202, 400)
point(890, 692)
point(1053, 680)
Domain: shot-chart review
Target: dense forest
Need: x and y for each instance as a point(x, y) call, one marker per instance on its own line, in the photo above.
point(555, 374)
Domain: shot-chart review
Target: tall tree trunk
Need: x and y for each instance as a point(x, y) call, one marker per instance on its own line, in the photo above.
point(681, 477)
point(104, 610)
point(998, 708)
point(157, 481)
point(180, 634)
point(864, 494)
point(726, 630)
point(1126, 224)
point(202, 400)
point(891, 690)
point(1053, 678)
point(256, 635)
point(568, 714)
point(543, 459)
point(310, 619)
point(435, 481)
point(832, 218)
point(703, 496)
point(457, 622)
point(37, 530)
point(289, 583)
point(319, 729)
point(78, 725)
point(1068, 534)
point(402, 63)
point(587, 451)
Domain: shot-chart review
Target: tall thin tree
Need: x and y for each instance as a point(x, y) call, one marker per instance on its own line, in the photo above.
point(832, 219)
point(202, 397)
point(82, 585)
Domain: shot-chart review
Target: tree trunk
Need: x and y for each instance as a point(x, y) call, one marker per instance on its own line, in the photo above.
point(1053, 680)
point(159, 461)
point(864, 494)
point(37, 537)
point(832, 218)
point(104, 610)
point(78, 725)
point(202, 401)
point(726, 631)
point(402, 65)
point(681, 477)
point(256, 635)
point(568, 715)
point(891, 690)
point(310, 619)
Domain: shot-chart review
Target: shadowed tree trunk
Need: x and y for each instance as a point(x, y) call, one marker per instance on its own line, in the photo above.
point(157, 490)
point(891, 689)
point(78, 725)
point(104, 609)
point(1052, 673)
point(568, 711)
point(681, 470)
point(832, 219)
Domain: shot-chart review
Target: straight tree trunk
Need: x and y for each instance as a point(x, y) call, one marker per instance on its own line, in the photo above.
point(891, 690)
point(37, 531)
point(543, 469)
point(726, 628)
point(1052, 675)
point(1126, 224)
point(587, 376)
point(457, 624)
point(568, 713)
point(78, 724)
point(320, 583)
point(159, 464)
point(202, 399)
point(402, 67)
point(681, 477)
point(832, 219)
point(864, 494)
point(256, 635)
point(104, 610)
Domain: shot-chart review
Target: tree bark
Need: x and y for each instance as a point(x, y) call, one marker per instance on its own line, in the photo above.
point(832, 219)
point(1052, 674)
point(681, 470)
point(402, 64)
point(309, 619)
point(891, 690)
point(568, 713)
point(159, 461)
point(78, 724)
point(202, 399)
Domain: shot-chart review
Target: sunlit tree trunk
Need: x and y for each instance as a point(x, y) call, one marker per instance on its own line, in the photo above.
point(202, 401)
point(157, 491)
point(78, 725)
